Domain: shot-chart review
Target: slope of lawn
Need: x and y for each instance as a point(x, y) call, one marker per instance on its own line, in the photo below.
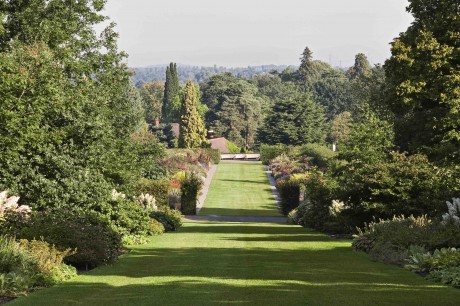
point(245, 264)
point(240, 189)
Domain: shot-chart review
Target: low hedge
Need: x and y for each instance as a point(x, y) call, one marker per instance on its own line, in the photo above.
point(157, 189)
point(190, 188)
point(289, 192)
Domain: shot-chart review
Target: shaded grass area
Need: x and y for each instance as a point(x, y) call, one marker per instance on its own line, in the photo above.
point(221, 263)
point(240, 189)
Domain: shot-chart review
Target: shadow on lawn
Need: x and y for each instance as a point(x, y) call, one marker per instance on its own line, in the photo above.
point(318, 271)
point(263, 210)
point(243, 181)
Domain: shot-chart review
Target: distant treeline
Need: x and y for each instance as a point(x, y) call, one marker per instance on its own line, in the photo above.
point(199, 74)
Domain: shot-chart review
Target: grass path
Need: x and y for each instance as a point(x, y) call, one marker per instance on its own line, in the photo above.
point(240, 189)
point(232, 263)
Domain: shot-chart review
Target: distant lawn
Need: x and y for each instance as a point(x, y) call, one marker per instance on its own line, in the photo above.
point(245, 264)
point(240, 189)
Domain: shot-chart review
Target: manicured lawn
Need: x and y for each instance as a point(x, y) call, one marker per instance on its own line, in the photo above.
point(245, 264)
point(240, 189)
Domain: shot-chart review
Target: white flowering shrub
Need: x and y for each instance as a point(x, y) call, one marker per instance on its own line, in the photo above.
point(336, 207)
point(453, 211)
point(147, 202)
point(11, 204)
point(117, 195)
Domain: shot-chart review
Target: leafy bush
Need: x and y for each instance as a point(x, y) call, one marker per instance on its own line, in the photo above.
point(49, 262)
point(321, 155)
point(190, 188)
point(134, 240)
point(92, 235)
point(269, 152)
point(289, 192)
point(157, 228)
point(213, 154)
point(171, 219)
point(157, 189)
point(400, 185)
point(390, 240)
point(129, 218)
point(28, 264)
point(442, 265)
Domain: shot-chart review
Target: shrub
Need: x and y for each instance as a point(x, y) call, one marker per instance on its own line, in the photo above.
point(134, 240)
point(442, 265)
point(158, 189)
point(390, 240)
point(190, 188)
point(129, 218)
point(28, 264)
point(400, 185)
point(289, 192)
point(156, 227)
point(321, 155)
point(90, 233)
point(171, 219)
point(49, 262)
point(269, 152)
point(213, 154)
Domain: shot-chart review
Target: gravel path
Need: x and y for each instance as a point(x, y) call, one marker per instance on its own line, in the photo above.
point(204, 191)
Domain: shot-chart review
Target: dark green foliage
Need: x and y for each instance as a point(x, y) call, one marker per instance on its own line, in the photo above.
point(171, 101)
point(157, 189)
point(390, 240)
point(269, 152)
point(234, 109)
point(423, 81)
point(170, 218)
point(90, 234)
point(368, 141)
point(295, 119)
point(190, 188)
point(165, 135)
point(362, 68)
point(321, 155)
point(129, 218)
point(398, 185)
point(152, 99)
point(289, 192)
point(315, 212)
point(333, 91)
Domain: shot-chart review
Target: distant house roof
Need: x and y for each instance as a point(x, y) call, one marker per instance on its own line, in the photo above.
point(219, 144)
point(175, 129)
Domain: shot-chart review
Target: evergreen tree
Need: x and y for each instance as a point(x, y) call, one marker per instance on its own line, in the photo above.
point(234, 108)
point(294, 120)
point(171, 99)
point(192, 130)
point(306, 65)
point(361, 68)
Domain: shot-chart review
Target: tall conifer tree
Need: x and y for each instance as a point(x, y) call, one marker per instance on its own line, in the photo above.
point(192, 130)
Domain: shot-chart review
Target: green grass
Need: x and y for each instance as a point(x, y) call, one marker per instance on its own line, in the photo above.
point(245, 264)
point(240, 189)
point(224, 263)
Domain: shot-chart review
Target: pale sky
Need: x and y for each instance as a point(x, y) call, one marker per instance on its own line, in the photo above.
point(239, 33)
